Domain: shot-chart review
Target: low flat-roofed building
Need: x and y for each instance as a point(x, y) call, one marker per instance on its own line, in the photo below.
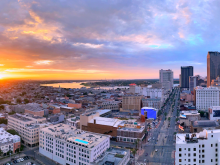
point(74, 121)
point(67, 145)
point(9, 142)
point(186, 117)
point(113, 156)
point(104, 112)
point(200, 125)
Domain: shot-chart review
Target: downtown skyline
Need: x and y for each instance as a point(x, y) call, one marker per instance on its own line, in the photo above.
point(62, 39)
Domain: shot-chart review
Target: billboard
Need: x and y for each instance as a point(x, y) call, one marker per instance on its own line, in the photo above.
point(151, 113)
point(216, 113)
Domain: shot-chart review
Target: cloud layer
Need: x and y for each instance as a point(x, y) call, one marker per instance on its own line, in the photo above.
point(106, 39)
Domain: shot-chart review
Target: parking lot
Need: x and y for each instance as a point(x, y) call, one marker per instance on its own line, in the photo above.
point(24, 162)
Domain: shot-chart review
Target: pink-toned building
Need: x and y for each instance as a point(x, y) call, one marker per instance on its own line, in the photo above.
point(75, 105)
point(187, 97)
point(36, 112)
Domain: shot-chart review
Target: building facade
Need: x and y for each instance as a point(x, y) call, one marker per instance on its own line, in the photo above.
point(166, 79)
point(67, 145)
point(193, 82)
point(199, 148)
point(213, 67)
point(214, 113)
point(131, 102)
point(27, 126)
point(206, 97)
point(186, 72)
point(152, 102)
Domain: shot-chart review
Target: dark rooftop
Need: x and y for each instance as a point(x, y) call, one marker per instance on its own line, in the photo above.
point(205, 123)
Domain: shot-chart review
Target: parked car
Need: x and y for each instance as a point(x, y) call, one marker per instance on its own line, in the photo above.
point(18, 160)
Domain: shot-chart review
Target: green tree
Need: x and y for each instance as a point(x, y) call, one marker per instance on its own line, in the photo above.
point(13, 132)
point(165, 114)
point(26, 101)
point(12, 113)
point(1, 152)
point(3, 121)
point(18, 100)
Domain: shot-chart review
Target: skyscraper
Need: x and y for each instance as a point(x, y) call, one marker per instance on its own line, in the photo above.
point(186, 72)
point(166, 79)
point(213, 66)
point(193, 82)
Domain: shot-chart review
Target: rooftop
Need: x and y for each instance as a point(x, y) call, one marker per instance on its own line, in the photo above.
point(7, 137)
point(106, 121)
point(75, 136)
point(113, 156)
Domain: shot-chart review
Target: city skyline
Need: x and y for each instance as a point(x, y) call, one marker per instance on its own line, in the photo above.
point(105, 39)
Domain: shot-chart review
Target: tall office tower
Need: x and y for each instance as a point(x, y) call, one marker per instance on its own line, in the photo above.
point(180, 80)
point(186, 72)
point(213, 66)
point(166, 79)
point(193, 82)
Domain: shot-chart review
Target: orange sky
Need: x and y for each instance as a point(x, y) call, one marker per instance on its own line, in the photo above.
point(43, 40)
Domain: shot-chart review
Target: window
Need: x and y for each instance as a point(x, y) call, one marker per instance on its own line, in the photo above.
point(203, 156)
point(203, 145)
point(194, 154)
point(203, 151)
point(216, 145)
point(211, 160)
point(203, 161)
point(188, 155)
point(188, 149)
point(194, 160)
point(216, 160)
point(194, 149)
point(180, 160)
point(188, 160)
point(211, 145)
point(180, 149)
point(216, 150)
point(180, 155)
point(211, 135)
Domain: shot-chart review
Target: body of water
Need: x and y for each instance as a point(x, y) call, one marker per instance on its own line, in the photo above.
point(77, 85)
point(65, 85)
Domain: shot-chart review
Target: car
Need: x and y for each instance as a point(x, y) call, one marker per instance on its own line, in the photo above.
point(18, 160)
point(153, 138)
point(22, 159)
point(156, 150)
point(15, 161)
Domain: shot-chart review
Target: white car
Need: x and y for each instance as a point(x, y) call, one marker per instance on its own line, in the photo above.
point(156, 150)
point(21, 159)
point(18, 160)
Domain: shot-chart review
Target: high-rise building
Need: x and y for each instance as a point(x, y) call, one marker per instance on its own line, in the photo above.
point(166, 79)
point(193, 82)
point(198, 148)
point(213, 66)
point(186, 72)
point(180, 80)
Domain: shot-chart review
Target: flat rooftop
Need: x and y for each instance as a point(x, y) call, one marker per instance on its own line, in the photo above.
point(106, 121)
point(205, 123)
point(75, 136)
point(6, 137)
point(113, 156)
point(103, 111)
point(180, 138)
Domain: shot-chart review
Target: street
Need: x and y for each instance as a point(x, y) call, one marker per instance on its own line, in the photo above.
point(160, 149)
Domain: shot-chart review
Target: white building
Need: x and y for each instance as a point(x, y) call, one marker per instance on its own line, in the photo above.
point(9, 141)
point(67, 145)
point(152, 92)
point(214, 113)
point(166, 79)
point(206, 97)
point(198, 149)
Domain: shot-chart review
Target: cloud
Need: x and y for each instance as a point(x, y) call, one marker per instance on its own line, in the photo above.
point(43, 62)
point(115, 36)
point(2, 64)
